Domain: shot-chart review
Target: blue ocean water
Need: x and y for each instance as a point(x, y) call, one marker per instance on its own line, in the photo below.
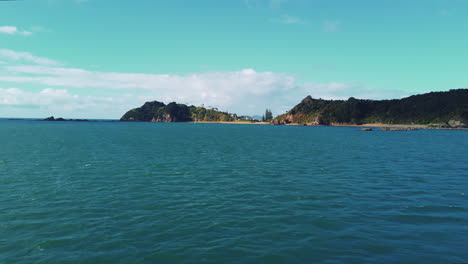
point(111, 192)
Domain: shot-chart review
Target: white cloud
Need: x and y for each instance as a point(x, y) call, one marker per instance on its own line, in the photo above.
point(14, 96)
point(11, 30)
point(227, 90)
point(16, 102)
point(26, 57)
point(247, 79)
point(244, 92)
point(331, 26)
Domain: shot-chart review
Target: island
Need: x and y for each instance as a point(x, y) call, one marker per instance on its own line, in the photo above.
point(173, 112)
point(431, 110)
point(59, 119)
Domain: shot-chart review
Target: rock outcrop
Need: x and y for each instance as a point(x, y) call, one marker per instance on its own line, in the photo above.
point(51, 118)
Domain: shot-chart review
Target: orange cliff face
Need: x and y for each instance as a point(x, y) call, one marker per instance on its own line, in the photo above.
point(297, 119)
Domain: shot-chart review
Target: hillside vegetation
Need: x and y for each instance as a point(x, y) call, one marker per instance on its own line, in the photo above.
point(449, 108)
point(159, 112)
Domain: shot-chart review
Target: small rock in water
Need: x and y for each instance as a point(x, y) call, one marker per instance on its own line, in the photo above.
point(366, 129)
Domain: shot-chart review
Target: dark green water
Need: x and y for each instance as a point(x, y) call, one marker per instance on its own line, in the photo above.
point(104, 192)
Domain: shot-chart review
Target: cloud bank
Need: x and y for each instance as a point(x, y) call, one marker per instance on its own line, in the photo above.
point(11, 30)
point(51, 86)
point(25, 57)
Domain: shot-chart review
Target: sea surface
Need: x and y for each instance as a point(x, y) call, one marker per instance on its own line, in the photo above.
point(111, 192)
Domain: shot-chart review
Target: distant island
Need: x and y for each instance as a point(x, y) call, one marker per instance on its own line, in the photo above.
point(435, 109)
point(51, 118)
point(173, 112)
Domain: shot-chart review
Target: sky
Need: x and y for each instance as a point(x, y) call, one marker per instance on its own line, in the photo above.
point(100, 58)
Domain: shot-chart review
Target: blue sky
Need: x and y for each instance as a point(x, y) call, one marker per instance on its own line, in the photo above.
point(98, 58)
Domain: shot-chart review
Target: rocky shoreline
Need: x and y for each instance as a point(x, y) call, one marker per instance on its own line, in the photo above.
point(380, 126)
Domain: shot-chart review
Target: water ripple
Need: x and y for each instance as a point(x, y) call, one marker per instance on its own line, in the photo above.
point(207, 193)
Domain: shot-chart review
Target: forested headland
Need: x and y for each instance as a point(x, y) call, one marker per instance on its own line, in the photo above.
point(443, 109)
point(173, 112)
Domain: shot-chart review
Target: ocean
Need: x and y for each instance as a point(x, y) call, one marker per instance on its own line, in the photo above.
point(113, 192)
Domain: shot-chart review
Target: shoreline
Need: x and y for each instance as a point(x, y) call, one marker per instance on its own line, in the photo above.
point(371, 125)
point(231, 122)
point(381, 125)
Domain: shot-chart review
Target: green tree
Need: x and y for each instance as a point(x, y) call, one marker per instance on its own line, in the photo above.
point(268, 115)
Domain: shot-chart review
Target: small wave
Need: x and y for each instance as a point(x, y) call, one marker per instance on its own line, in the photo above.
point(434, 209)
point(425, 219)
